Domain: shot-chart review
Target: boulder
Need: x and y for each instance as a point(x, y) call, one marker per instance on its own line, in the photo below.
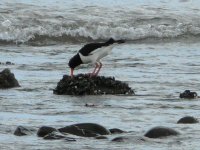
point(188, 119)
point(45, 130)
point(85, 130)
point(158, 132)
point(85, 85)
point(7, 79)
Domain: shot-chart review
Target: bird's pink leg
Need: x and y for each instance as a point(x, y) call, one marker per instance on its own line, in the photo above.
point(100, 65)
point(72, 72)
point(96, 66)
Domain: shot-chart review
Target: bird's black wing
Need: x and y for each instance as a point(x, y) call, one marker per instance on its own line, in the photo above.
point(88, 48)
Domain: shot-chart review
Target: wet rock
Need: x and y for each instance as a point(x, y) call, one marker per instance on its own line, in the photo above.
point(21, 131)
point(86, 85)
point(6, 63)
point(7, 79)
point(90, 105)
point(188, 94)
point(45, 130)
point(85, 130)
point(188, 119)
point(158, 132)
point(53, 136)
point(77, 131)
point(116, 131)
point(57, 136)
point(101, 137)
point(9, 63)
point(119, 139)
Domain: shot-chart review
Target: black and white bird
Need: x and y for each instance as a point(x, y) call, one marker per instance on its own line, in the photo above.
point(92, 53)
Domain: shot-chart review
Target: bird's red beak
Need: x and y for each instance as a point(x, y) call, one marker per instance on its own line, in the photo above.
point(72, 72)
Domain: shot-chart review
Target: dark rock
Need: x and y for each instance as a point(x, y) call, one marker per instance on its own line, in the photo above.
point(85, 129)
point(7, 79)
point(57, 136)
point(188, 94)
point(77, 131)
point(120, 139)
point(6, 63)
point(116, 131)
point(43, 131)
point(9, 63)
point(54, 135)
point(101, 137)
point(158, 132)
point(86, 85)
point(90, 105)
point(188, 119)
point(21, 131)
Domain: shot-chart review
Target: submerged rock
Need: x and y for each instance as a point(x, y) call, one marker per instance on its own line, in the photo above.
point(57, 136)
point(101, 137)
point(116, 131)
point(188, 119)
point(120, 139)
point(7, 79)
point(85, 130)
point(6, 63)
point(86, 85)
point(9, 63)
point(158, 132)
point(21, 131)
point(188, 94)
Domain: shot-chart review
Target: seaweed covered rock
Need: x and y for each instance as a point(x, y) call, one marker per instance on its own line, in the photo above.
point(86, 85)
point(188, 94)
point(7, 79)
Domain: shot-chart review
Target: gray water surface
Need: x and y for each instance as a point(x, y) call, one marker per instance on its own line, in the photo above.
point(159, 60)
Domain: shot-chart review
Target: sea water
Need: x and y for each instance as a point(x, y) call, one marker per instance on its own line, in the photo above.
point(159, 60)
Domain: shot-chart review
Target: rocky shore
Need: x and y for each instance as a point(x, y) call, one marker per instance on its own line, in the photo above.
point(97, 131)
point(86, 85)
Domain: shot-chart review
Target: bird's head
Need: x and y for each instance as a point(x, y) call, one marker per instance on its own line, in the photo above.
point(111, 41)
point(74, 62)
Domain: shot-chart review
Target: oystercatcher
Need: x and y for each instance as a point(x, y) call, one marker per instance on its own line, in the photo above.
point(92, 53)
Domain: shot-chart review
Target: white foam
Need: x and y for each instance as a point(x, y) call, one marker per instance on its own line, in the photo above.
point(119, 24)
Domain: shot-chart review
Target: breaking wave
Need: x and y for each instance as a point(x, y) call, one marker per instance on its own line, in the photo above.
point(32, 27)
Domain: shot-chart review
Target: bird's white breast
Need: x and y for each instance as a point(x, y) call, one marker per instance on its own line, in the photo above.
point(97, 54)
